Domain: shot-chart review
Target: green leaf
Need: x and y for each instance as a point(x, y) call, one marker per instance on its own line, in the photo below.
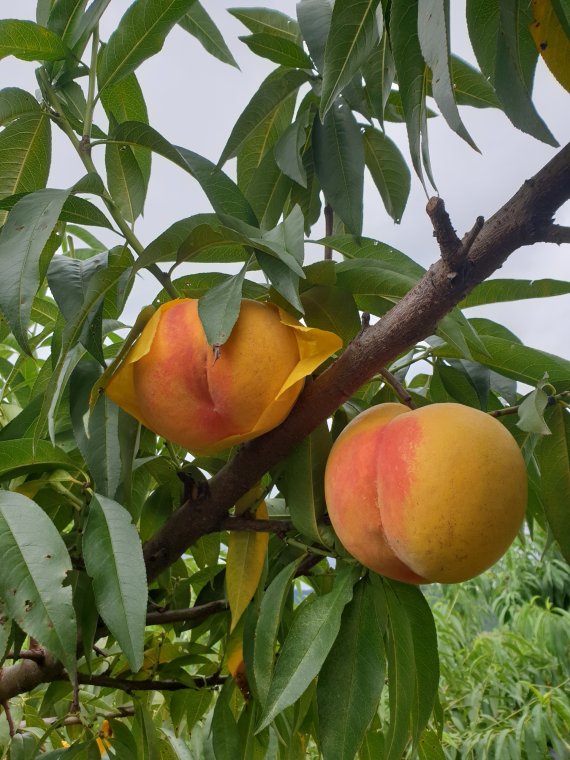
point(18, 457)
point(339, 164)
point(22, 240)
point(199, 24)
point(260, 143)
point(331, 308)
point(219, 309)
point(267, 21)
point(471, 88)
point(401, 673)
point(426, 660)
point(280, 50)
point(315, 22)
point(289, 148)
point(553, 456)
point(30, 42)
point(97, 433)
point(502, 290)
point(276, 88)
point(433, 32)
point(412, 75)
point(220, 190)
point(15, 102)
point(114, 560)
point(389, 171)
point(65, 16)
point(226, 739)
point(268, 191)
point(531, 413)
point(354, 669)
point(100, 284)
point(35, 567)
point(268, 622)
point(69, 280)
point(310, 638)
point(379, 72)
point(125, 180)
point(430, 747)
point(507, 55)
point(303, 485)
point(140, 34)
point(25, 154)
point(353, 33)
point(124, 101)
point(518, 362)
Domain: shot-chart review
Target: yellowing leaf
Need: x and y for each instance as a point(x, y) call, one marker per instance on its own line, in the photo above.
point(246, 558)
point(551, 40)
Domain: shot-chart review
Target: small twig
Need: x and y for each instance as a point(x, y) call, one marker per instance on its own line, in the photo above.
point(201, 612)
point(11, 726)
point(470, 237)
point(307, 564)
point(128, 685)
point(504, 411)
point(329, 223)
point(397, 387)
point(75, 720)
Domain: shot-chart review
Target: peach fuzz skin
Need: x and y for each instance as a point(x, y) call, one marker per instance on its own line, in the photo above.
point(437, 494)
point(174, 384)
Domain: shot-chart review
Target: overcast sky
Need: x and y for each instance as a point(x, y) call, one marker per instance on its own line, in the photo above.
point(194, 100)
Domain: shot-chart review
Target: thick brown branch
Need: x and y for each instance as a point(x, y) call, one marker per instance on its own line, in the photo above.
point(444, 233)
point(411, 320)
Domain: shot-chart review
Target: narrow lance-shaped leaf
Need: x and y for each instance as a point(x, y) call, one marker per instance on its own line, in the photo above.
point(553, 456)
point(531, 413)
point(140, 34)
point(389, 171)
point(199, 24)
point(500, 290)
point(35, 565)
point(18, 457)
point(551, 34)
point(315, 22)
point(353, 33)
point(280, 50)
point(219, 309)
point(276, 88)
point(267, 21)
point(268, 622)
point(113, 558)
point(221, 191)
point(426, 660)
point(15, 102)
point(25, 154)
point(339, 163)
point(310, 638)
point(245, 562)
point(22, 240)
point(30, 42)
point(97, 433)
point(411, 74)
point(304, 482)
point(433, 31)
point(401, 674)
point(354, 668)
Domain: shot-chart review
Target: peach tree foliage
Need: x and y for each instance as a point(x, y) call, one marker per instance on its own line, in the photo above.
point(128, 590)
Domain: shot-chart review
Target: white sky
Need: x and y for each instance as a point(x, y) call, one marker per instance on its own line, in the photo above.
point(194, 100)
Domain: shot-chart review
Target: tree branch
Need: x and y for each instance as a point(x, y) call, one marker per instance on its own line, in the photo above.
point(194, 614)
point(519, 222)
point(555, 233)
point(130, 685)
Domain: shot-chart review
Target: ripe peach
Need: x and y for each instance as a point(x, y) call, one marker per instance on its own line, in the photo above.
point(173, 382)
point(431, 495)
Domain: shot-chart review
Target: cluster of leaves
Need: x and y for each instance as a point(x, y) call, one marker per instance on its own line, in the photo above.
point(504, 646)
point(83, 489)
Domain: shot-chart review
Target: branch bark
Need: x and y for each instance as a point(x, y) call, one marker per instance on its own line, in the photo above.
point(523, 220)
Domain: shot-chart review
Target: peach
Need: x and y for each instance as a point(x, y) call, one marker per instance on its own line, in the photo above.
point(437, 494)
point(173, 382)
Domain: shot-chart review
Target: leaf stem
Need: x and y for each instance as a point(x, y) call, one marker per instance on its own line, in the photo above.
point(90, 105)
